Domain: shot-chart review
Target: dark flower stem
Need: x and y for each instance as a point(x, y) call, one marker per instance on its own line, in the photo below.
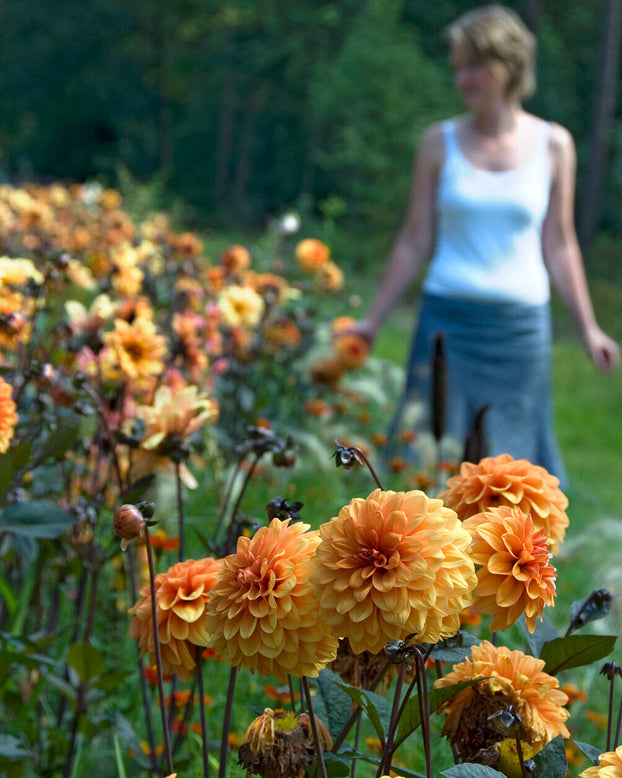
point(226, 724)
point(180, 510)
point(424, 711)
point(357, 738)
point(319, 754)
point(225, 504)
point(158, 654)
point(521, 761)
point(368, 465)
point(205, 744)
point(291, 692)
point(387, 757)
point(610, 716)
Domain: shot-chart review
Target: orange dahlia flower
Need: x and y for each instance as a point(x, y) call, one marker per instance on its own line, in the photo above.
point(312, 254)
point(515, 575)
point(236, 259)
point(351, 350)
point(182, 594)
point(137, 347)
point(8, 415)
point(329, 277)
point(392, 564)
point(610, 766)
point(503, 480)
point(262, 614)
point(513, 682)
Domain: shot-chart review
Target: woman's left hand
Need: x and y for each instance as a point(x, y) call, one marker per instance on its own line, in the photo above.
point(604, 351)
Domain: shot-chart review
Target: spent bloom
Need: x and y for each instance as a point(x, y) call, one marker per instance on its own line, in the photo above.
point(390, 565)
point(515, 574)
point(8, 415)
point(181, 597)
point(503, 480)
point(241, 306)
point(511, 682)
point(262, 614)
point(610, 766)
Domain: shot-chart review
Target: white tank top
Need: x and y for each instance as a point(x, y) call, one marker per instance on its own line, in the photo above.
point(489, 246)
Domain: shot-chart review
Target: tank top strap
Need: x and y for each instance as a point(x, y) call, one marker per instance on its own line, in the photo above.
point(451, 142)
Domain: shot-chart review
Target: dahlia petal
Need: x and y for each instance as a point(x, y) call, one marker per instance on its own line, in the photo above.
point(509, 592)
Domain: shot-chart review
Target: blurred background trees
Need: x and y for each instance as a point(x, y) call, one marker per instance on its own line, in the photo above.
point(243, 108)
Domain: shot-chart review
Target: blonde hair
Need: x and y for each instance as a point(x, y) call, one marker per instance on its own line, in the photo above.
point(495, 35)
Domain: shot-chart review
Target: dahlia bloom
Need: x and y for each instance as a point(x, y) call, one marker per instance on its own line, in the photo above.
point(610, 766)
point(8, 415)
point(262, 613)
point(351, 350)
point(181, 597)
point(311, 254)
point(329, 277)
point(241, 306)
point(137, 347)
point(392, 564)
point(17, 271)
point(236, 259)
point(515, 575)
point(512, 681)
point(503, 480)
point(170, 421)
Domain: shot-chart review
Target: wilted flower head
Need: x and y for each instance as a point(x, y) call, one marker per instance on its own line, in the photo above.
point(279, 744)
point(390, 565)
point(515, 575)
point(8, 415)
point(240, 306)
point(514, 683)
point(503, 480)
point(181, 597)
point(262, 614)
point(312, 254)
point(170, 422)
point(610, 766)
point(137, 347)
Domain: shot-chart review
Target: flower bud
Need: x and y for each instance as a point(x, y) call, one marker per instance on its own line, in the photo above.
point(128, 523)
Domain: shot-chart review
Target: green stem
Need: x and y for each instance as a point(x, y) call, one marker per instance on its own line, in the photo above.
point(158, 655)
point(319, 754)
point(224, 742)
point(205, 744)
point(368, 465)
point(180, 510)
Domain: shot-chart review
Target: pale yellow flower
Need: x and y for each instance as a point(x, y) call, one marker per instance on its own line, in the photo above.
point(240, 306)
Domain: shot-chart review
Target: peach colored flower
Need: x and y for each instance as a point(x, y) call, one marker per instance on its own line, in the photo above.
point(279, 332)
point(341, 323)
point(392, 564)
point(8, 415)
point(169, 423)
point(181, 597)
point(503, 480)
point(329, 277)
point(610, 766)
point(515, 575)
point(235, 259)
point(262, 614)
point(311, 254)
point(240, 306)
point(514, 682)
point(138, 348)
point(351, 350)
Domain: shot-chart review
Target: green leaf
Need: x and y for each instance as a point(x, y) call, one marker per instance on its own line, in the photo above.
point(376, 707)
point(86, 660)
point(411, 717)
point(472, 771)
point(575, 651)
point(590, 751)
point(61, 439)
point(36, 519)
point(551, 761)
point(10, 600)
point(544, 632)
point(596, 606)
point(12, 748)
point(6, 471)
point(20, 454)
point(455, 649)
point(350, 753)
point(336, 701)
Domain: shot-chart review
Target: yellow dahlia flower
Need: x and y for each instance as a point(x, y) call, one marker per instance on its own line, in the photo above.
point(262, 614)
point(17, 271)
point(514, 682)
point(8, 415)
point(181, 596)
point(240, 306)
point(515, 574)
point(503, 480)
point(138, 348)
point(392, 564)
point(610, 766)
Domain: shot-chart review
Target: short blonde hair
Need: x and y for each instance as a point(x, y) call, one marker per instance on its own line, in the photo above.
point(495, 35)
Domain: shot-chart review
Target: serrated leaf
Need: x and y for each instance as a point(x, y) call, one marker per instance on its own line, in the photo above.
point(36, 519)
point(575, 651)
point(376, 708)
point(544, 632)
point(86, 660)
point(411, 717)
point(336, 701)
point(588, 750)
point(551, 762)
point(472, 771)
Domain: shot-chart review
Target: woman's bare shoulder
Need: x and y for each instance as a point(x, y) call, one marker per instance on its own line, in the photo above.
point(432, 143)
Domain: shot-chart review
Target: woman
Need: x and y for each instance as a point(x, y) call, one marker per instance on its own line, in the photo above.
point(492, 202)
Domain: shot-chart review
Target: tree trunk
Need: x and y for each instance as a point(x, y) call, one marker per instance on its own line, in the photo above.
point(602, 122)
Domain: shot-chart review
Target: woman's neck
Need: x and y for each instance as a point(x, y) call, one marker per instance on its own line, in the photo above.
point(496, 119)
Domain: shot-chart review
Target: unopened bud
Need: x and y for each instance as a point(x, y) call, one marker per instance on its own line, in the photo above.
point(128, 523)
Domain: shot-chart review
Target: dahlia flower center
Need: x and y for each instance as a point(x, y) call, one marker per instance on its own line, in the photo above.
point(373, 557)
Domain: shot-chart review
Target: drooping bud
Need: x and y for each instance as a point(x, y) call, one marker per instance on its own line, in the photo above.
point(128, 523)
